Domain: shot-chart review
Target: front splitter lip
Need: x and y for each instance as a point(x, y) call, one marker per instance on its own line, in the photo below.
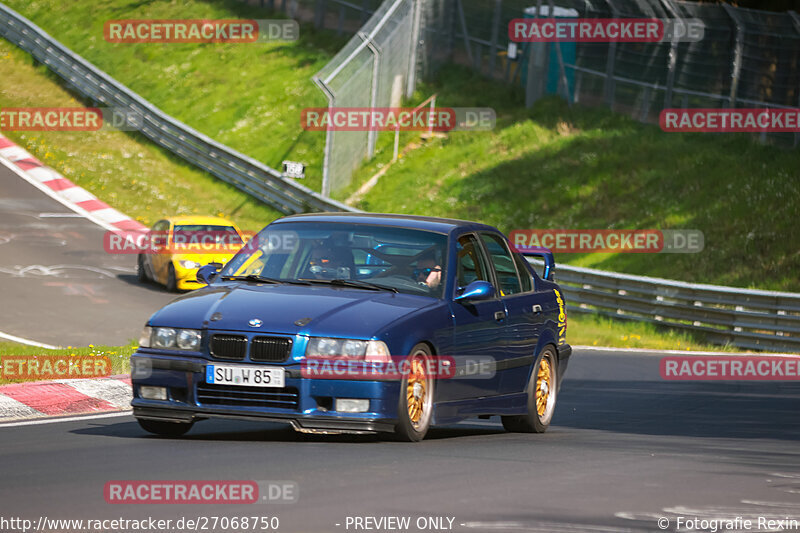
point(299, 423)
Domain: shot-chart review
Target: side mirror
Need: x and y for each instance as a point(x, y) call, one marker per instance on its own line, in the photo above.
point(477, 290)
point(206, 273)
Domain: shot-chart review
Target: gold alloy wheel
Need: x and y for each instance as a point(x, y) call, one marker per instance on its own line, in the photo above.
point(544, 381)
point(416, 391)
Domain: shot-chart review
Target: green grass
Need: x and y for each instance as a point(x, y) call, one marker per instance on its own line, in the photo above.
point(123, 169)
point(592, 330)
point(118, 355)
point(246, 96)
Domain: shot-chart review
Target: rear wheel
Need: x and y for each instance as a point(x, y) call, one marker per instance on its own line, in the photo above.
point(415, 407)
point(172, 282)
point(542, 392)
point(165, 429)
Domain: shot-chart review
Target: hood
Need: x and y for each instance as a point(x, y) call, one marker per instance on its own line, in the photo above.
point(333, 311)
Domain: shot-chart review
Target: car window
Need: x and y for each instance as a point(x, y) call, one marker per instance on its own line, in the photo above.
point(471, 262)
point(524, 274)
point(503, 264)
point(404, 259)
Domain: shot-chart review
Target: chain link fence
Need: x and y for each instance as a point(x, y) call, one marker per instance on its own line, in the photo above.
point(747, 58)
point(372, 70)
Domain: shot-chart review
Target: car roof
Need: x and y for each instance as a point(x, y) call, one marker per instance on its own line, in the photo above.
point(436, 224)
point(199, 219)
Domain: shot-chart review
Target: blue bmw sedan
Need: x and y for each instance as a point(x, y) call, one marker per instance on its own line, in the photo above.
point(359, 323)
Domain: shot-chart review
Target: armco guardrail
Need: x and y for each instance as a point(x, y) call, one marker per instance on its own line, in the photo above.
point(747, 318)
point(245, 173)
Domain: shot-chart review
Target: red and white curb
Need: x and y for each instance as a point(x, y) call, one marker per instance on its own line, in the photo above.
point(44, 178)
point(21, 401)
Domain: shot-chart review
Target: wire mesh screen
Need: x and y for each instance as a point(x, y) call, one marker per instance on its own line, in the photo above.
point(747, 58)
point(370, 71)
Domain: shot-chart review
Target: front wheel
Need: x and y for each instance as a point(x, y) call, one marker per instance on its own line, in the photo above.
point(542, 392)
point(141, 271)
point(415, 407)
point(165, 429)
point(172, 281)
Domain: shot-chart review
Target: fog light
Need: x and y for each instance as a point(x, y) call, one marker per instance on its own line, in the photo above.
point(153, 393)
point(347, 405)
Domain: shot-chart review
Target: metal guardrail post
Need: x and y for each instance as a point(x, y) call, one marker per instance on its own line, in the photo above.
point(736, 67)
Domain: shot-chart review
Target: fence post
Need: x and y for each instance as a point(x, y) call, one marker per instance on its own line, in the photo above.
point(796, 20)
point(465, 33)
point(672, 60)
point(340, 24)
point(364, 15)
point(736, 68)
point(326, 159)
point(609, 86)
point(319, 13)
point(498, 10)
point(413, 53)
point(372, 135)
point(533, 86)
point(561, 70)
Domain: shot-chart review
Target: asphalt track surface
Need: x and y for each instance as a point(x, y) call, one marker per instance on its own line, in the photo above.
point(57, 284)
point(625, 448)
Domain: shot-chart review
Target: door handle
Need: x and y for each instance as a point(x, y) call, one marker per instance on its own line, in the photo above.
point(499, 315)
point(537, 309)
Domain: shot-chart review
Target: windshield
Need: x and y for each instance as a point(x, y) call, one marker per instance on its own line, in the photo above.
point(205, 234)
point(372, 257)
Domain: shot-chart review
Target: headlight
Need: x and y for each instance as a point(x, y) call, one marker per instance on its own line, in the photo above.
point(185, 263)
point(175, 339)
point(188, 339)
point(350, 348)
point(144, 338)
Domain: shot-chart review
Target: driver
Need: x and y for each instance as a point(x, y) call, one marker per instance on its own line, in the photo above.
point(428, 271)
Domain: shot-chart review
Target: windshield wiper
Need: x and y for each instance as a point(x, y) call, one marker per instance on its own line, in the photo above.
point(264, 279)
point(358, 284)
point(252, 277)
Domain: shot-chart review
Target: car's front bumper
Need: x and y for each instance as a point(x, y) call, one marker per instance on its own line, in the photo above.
point(306, 403)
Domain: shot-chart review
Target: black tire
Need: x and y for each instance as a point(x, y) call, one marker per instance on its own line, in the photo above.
point(165, 429)
point(172, 282)
point(413, 423)
point(141, 271)
point(542, 394)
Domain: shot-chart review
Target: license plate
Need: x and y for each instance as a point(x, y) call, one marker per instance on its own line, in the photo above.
point(245, 376)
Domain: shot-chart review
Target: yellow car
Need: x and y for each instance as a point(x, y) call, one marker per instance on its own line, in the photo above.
point(176, 247)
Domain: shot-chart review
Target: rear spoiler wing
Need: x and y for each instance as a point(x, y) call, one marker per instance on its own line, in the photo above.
point(545, 254)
